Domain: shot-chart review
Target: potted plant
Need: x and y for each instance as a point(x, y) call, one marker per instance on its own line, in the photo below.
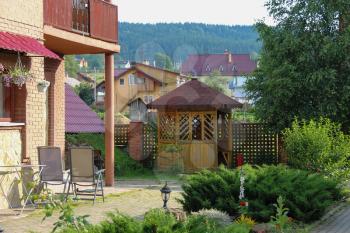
point(19, 75)
point(43, 85)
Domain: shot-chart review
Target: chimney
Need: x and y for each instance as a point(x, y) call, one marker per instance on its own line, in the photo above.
point(229, 55)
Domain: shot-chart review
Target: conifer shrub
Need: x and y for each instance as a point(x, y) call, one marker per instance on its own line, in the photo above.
point(306, 195)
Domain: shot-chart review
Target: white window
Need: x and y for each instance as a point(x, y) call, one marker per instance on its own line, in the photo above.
point(132, 79)
point(148, 99)
point(140, 81)
point(207, 68)
point(221, 68)
point(234, 69)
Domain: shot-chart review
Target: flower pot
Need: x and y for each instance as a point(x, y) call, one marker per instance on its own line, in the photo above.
point(43, 86)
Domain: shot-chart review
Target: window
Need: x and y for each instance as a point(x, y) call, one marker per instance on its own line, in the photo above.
point(221, 69)
point(196, 127)
point(140, 80)
point(234, 69)
point(132, 79)
point(121, 82)
point(148, 99)
point(5, 103)
point(207, 68)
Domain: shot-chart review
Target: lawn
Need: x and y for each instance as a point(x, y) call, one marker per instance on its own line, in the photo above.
point(125, 167)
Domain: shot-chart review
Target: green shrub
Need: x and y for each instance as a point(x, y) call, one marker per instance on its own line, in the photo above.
point(118, 223)
point(318, 147)
point(306, 195)
point(124, 165)
point(158, 221)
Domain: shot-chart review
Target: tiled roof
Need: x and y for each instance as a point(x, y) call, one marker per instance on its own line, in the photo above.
point(79, 116)
point(195, 95)
point(19, 43)
point(204, 65)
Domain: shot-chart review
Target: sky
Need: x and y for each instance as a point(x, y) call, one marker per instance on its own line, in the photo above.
point(228, 12)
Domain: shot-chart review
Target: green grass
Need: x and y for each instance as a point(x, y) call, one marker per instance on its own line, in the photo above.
point(125, 167)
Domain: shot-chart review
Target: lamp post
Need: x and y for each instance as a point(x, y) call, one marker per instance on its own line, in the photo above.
point(165, 191)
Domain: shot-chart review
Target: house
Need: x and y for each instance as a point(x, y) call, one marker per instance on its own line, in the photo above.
point(234, 68)
point(34, 37)
point(139, 85)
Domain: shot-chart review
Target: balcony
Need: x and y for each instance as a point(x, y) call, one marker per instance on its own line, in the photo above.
point(89, 19)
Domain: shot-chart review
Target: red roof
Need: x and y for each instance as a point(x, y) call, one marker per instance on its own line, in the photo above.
point(195, 95)
point(204, 65)
point(19, 43)
point(79, 116)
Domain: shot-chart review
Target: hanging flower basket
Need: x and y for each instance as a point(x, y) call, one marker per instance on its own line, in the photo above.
point(43, 85)
point(18, 75)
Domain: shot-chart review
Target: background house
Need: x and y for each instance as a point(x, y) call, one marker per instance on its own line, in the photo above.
point(139, 85)
point(233, 68)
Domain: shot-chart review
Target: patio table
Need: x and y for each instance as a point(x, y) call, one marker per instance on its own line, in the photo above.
point(17, 170)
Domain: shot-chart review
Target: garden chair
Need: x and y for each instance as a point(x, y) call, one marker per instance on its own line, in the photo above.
point(85, 174)
point(52, 173)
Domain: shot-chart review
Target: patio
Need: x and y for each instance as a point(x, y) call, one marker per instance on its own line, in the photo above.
point(132, 198)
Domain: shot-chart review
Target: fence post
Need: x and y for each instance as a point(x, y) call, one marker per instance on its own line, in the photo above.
point(282, 154)
point(135, 142)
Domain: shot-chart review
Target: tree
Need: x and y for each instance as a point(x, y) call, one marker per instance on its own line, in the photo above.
point(216, 81)
point(163, 61)
point(304, 67)
point(85, 92)
point(71, 65)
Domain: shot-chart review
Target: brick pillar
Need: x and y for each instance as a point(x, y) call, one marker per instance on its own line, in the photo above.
point(109, 118)
point(135, 140)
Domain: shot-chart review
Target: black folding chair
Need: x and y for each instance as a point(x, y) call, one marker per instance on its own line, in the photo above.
point(52, 173)
point(84, 173)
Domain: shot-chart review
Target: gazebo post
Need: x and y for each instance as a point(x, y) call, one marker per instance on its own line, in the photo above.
point(109, 119)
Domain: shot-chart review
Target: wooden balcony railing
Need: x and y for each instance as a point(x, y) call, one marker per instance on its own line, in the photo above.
point(95, 18)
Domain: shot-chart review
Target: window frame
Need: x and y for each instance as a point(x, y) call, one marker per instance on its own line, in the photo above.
point(122, 82)
point(132, 77)
point(8, 104)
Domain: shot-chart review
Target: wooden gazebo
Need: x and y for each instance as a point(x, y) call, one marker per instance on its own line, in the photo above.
point(194, 128)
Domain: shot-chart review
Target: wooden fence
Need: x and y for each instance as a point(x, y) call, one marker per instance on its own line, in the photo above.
point(149, 138)
point(255, 142)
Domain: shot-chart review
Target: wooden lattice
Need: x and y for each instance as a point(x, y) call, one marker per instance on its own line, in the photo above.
point(167, 127)
point(255, 143)
point(223, 125)
point(121, 134)
point(149, 141)
point(209, 127)
point(184, 126)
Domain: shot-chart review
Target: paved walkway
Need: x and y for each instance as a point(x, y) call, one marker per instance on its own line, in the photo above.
point(133, 199)
point(335, 222)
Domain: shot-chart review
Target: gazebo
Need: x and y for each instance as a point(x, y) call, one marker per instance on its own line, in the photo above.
point(194, 128)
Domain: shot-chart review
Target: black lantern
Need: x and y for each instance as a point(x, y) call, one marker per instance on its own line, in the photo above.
point(165, 191)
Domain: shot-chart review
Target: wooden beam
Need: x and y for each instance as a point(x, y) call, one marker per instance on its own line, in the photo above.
point(109, 118)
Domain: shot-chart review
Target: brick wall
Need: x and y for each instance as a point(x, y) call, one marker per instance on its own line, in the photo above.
point(55, 74)
point(25, 17)
point(135, 140)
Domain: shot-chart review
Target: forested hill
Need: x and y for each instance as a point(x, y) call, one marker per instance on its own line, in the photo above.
point(143, 41)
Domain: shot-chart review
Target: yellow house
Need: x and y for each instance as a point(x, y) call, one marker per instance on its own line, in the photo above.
point(140, 83)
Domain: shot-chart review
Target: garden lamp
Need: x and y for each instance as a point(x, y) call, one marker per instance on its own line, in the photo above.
point(165, 191)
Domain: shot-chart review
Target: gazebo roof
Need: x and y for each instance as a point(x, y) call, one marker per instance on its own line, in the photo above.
point(195, 95)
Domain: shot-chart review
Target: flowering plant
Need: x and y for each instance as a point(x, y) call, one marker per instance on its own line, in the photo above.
point(19, 75)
